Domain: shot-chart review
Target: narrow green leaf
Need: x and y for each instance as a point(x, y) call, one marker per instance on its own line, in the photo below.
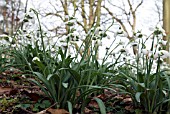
point(101, 105)
point(73, 73)
point(42, 78)
point(49, 76)
point(40, 65)
point(43, 89)
point(70, 107)
point(137, 96)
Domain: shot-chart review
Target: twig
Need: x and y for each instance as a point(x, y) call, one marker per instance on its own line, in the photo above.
point(42, 112)
point(28, 111)
point(51, 106)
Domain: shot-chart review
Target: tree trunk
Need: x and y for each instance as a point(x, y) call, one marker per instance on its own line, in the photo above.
point(166, 23)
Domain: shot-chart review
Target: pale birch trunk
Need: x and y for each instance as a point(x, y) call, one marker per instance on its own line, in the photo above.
point(166, 23)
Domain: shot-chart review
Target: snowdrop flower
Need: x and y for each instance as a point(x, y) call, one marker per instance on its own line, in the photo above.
point(134, 44)
point(107, 48)
point(66, 17)
point(118, 32)
point(13, 45)
point(82, 38)
point(121, 42)
point(159, 36)
point(98, 43)
point(159, 27)
point(124, 50)
point(145, 51)
point(63, 39)
point(3, 36)
point(76, 33)
point(52, 49)
point(20, 41)
point(139, 35)
point(72, 21)
point(23, 76)
point(97, 30)
point(75, 38)
point(164, 33)
point(35, 59)
point(163, 54)
point(10, 39)
point(163, 42)
point(64, 44)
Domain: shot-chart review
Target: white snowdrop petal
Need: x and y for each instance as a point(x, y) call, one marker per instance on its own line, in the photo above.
point(145, 51)
point(164, 42)
point(35, 59)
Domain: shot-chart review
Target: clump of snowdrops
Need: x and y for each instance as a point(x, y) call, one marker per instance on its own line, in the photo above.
point(73, 64)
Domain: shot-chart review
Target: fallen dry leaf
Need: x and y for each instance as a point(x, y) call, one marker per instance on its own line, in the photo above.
point(129, 108)
point(5, 90)
point(93, 104)
point(127, 100)
point(102, 96)
point(33, 96)
point(118, 97)
point(58, 111)
point(87, 111)
point(42, 112)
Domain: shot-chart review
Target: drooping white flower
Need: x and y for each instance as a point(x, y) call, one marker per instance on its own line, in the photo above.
point(145, 51)
point(163, 42)
point(134, 44)
point(159, 27)
point(3, 36)
point(164, 54)
point(64, 44)
point(119, 32)
point(159, 36)
point(99, 43)
point(66, 17)
point(35, 59)
point(124, 50)
point(164, 33)
point(121, 42)
point(63, 39)
point(97, 30)
point(82, 37)
point(52, 49)
point(10, 39)
point(13, 45)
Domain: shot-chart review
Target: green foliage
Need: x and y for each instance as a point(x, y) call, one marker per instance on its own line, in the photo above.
point(61, 76)
point(147, 88)
point(7, 102)
point(5, 58)
point(36, 107)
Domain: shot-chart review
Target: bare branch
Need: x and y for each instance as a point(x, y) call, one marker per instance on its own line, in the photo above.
point(91, 13)
point(55, 14)
point(83, 15)
point(118, 20)
point(141, 2)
